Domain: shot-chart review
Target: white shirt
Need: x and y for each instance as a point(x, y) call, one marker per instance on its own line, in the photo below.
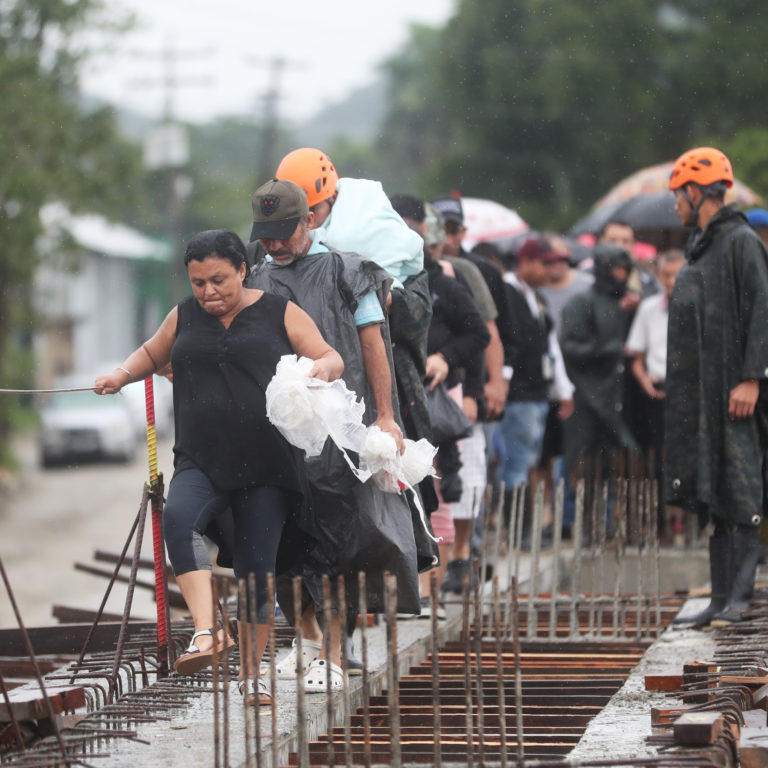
point(561, 384)
point(648, 334)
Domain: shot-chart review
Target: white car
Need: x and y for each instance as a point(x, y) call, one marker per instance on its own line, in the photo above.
point(76, 425)
point(134, 395)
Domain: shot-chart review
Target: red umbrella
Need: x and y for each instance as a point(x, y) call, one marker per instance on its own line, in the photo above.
point(489, 220)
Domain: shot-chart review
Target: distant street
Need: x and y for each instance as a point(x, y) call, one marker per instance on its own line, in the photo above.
point(60, 516)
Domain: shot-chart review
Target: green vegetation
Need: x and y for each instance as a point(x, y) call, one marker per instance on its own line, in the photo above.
point(50, 150)
point(543, 106)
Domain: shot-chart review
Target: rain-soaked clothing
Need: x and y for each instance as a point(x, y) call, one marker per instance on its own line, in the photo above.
point(594, 328)
point(358, 526)
point(718, 337)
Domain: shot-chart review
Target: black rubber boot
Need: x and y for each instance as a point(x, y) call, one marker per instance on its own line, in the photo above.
point(454, 575)
point(745, 552)
point(354, 665)
point(720, 573)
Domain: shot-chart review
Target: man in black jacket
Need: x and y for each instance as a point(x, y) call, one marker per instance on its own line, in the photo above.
point(533, 353)
point(595, 327)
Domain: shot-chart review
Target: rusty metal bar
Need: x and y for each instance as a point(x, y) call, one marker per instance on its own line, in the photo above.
point(272, 664)
point(108, 591)
point(557, 534)
point(512, 554)
point(301, 712)
point(130, 589)
point(390, 602)
point(363, 602)
point(341, 595)
point(14, 721)
point(225, 686)
point(656, 556)
point(533, 576)
point(480, 702)
point(518, 673)
point(327, 633)
point(578, 542)
point(217, 750)
point(602, 523)
point(467, 641)
point(35, 666)
point(246, 642)
point(499, 670)
point(437, 758)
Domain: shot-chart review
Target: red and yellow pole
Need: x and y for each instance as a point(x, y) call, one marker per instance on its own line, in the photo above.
point(156, 496)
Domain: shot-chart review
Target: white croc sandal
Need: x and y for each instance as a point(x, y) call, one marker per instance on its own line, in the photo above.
point(315, 679)
point(286, 669)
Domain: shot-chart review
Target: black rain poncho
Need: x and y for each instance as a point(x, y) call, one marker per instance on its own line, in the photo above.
point(358, 526)
point(718, 337)
point(594, 328)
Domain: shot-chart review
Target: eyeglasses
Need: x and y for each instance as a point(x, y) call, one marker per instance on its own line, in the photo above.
point(453, 227)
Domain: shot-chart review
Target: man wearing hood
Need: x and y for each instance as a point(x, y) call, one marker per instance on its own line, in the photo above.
point(717, 365)
point(594, 327)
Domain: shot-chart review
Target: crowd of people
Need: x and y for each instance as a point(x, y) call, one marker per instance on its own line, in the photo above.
point(532, 366)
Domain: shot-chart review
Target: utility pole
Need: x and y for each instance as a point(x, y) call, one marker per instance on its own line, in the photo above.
point(166, 150)
point(270, 119)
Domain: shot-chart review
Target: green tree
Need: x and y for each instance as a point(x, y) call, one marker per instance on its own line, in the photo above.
point(544, 105)
point(50, 150)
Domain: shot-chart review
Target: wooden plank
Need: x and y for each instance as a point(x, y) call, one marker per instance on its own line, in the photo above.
point(698, 729)
point(753, 748)
point(760, 698)
point(64, 639)
point(663, 682)
point(665, 715)
point(28, 703)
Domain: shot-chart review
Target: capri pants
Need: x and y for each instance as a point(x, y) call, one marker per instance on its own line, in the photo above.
point(258, 512)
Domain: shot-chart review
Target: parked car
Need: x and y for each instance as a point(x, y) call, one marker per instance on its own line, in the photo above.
point(134, 395)
point(77, 425)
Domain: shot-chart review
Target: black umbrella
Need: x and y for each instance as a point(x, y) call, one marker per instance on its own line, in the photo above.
point(652, 217)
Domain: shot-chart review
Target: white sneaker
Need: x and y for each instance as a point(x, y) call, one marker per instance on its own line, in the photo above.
point(286, 669)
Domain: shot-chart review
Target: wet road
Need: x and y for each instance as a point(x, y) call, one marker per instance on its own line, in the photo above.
point(59, 516)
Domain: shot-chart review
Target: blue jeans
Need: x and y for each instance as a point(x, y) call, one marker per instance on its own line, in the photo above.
point(519, 437)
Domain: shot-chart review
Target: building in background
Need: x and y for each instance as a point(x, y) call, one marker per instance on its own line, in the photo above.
point(101, 289)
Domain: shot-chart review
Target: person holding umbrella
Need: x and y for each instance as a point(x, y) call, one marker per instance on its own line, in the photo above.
point(716, 390)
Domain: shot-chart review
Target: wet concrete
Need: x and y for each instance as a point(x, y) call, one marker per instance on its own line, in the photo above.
point(620, 730)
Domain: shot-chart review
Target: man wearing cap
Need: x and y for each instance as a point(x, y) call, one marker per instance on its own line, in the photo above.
point(717, 371)
point(346, 296)
point(534, 355)
point(497, 386)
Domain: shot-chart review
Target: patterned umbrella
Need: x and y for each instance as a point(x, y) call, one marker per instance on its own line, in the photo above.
point(655, 179)
point(644, 201)
point(489, 220)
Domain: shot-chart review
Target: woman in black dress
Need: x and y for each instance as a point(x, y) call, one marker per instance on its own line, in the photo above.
point(224, 343)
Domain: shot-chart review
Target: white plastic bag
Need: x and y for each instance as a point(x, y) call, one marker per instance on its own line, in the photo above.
point(307, 411)
point(393, 471)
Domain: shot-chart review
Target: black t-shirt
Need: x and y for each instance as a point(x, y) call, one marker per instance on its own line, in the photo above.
point(220, 377)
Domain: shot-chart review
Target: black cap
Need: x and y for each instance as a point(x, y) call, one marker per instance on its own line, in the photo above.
point(277, 206)
point(450, 207)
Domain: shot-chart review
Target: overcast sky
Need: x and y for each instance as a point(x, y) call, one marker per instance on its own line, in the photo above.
point(224, 49)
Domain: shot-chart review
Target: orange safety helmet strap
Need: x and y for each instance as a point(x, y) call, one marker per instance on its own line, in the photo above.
point(312, 170)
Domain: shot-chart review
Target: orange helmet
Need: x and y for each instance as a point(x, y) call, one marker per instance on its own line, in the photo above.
point(312, 170)
point(702, 166)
